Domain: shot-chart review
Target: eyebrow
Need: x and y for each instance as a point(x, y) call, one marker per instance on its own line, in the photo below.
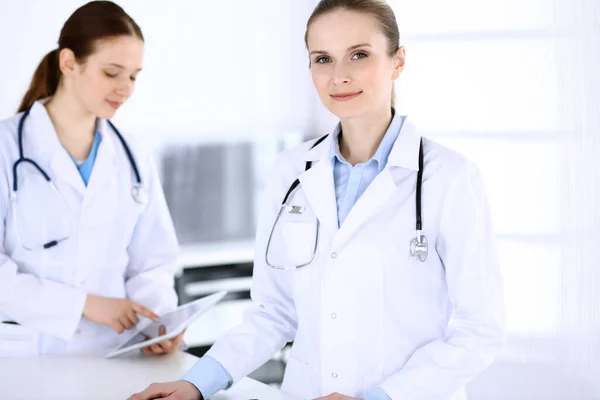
point(120, 66)
point(356, 46)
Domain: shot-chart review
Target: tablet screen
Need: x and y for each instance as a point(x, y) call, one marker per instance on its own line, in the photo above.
point(175, 320)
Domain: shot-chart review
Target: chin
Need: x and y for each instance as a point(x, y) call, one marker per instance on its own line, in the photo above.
point(104, 112)
point(345, 110)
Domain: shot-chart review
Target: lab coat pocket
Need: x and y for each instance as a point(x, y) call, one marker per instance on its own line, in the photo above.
point(299, 379)
point(16, 341)
point(299, 247)
point(299, 241)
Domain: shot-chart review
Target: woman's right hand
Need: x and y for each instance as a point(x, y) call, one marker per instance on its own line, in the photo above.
point(119, 314)
point(178, 390)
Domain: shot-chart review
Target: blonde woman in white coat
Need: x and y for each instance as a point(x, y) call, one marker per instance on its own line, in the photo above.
point(372, 313)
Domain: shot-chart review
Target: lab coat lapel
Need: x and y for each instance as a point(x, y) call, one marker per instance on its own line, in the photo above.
point(105, 167)
point(377, 194)
point(392, 181)
point(67, 172)
point(319, 189)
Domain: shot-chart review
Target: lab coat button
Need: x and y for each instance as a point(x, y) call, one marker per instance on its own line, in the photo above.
point(333, 375)
point(333, 255)
point(333, 316)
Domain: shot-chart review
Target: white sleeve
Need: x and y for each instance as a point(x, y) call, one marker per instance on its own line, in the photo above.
point(466, 245)
point(153, 252)
point(43, 305)
point(271, 321)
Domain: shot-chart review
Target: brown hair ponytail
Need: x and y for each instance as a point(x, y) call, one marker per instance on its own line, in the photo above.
point(44, 82)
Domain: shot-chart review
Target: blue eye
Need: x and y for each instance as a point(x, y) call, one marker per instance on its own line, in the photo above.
point(322, 60)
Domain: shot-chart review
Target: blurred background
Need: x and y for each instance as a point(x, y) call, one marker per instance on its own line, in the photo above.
point(512, 84)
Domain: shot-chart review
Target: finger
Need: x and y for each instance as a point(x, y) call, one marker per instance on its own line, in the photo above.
point(147, 351)
point(133, 317)
point(166, 345)
point(144, 311)
point(117, 326)
point(156, 349)
point(154, 391)
point(125, 322)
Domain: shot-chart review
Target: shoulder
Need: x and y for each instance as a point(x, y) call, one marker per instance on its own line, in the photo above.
point(141, 151)
point(292, 162)
point(8, 140)
point(8, 151)
point(453, 173)
point(8, 131)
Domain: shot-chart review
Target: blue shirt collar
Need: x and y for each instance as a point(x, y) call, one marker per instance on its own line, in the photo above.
point(385, 147)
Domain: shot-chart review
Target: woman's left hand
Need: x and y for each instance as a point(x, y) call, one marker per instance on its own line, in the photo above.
point(337, 396)
point(166, 346)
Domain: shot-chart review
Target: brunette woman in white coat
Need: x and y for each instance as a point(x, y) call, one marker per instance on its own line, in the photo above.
point(87, 244)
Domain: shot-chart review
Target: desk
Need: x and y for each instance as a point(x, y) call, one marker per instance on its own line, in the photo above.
point(97, 378)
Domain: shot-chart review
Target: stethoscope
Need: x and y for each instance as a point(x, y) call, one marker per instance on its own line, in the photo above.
point(418, 245)
point(138, 193)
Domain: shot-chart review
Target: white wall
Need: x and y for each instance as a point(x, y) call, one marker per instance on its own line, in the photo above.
point(234, 67)
point(514, 86)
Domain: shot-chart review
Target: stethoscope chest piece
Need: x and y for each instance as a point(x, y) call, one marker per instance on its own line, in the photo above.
point(139, 194)
point(419, 248)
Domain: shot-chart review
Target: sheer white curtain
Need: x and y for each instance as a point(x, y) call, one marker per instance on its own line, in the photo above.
point(515, 86)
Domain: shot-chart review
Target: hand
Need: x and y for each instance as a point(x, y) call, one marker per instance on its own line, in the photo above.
point(178, 390)
point(119, 314)
point(337, 396)
point(166, 346)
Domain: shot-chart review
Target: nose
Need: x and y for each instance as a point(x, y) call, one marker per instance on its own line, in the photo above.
point(124, 88)
point(341, 75)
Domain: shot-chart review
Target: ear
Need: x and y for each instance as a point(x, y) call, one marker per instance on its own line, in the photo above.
point(398, 63)
point(67, 62)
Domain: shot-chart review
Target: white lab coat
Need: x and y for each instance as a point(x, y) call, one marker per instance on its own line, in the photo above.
point(365, 313)
point(119, 248)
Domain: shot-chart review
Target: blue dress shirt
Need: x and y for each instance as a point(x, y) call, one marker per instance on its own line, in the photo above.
point(352, 181)
point(85, 168)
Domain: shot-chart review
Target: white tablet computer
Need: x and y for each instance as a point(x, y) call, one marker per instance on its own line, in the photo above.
point(175, 322)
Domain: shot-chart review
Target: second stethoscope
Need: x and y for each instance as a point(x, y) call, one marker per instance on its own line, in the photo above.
point(418, 245)
point(137, 191)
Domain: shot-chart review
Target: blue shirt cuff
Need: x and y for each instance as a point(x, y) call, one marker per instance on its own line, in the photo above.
point(376, 393)
point(209, 376)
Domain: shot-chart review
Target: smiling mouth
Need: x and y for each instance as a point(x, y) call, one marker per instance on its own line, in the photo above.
point(114, 104)
point(345, 96)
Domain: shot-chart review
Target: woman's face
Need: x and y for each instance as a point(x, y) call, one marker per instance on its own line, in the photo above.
point(106, 79)
point(349, 62)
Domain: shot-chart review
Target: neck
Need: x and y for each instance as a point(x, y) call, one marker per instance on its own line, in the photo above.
point(74, 126)
point(362, 135)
